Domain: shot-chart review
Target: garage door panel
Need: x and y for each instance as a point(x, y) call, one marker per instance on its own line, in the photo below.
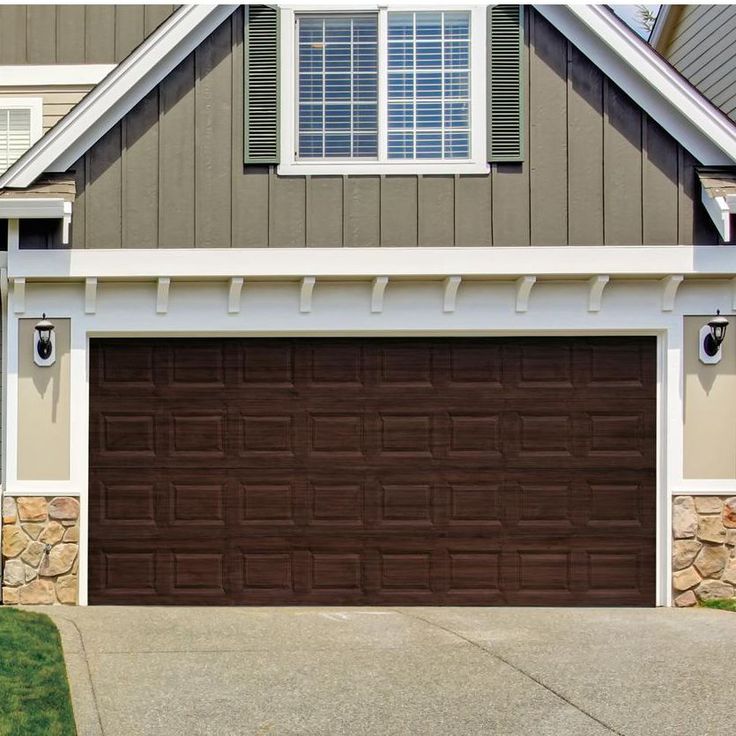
point(396, 471)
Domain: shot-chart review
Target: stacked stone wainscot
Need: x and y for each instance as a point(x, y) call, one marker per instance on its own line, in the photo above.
point(704, 549)
point(40, 550)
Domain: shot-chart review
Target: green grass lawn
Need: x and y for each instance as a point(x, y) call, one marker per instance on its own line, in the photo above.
point(34, 693)
point(724, 604)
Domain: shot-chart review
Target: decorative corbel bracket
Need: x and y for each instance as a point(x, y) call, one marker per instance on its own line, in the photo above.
point(524, 287)
point(452, 284)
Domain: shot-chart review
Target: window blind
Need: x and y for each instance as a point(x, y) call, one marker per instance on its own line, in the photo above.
point(15, 135)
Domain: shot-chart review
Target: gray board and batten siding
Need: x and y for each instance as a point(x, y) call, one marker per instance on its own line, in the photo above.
point(75, 34)
point(596, 170)
point(703, 50)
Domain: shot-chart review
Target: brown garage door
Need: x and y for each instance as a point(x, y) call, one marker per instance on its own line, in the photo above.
point(386, 471)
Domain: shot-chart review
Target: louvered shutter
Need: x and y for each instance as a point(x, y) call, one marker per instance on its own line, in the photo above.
point(505, 83)
point(261, 84)
point(15, 134)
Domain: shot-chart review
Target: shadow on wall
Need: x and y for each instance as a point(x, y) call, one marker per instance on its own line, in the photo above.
point(48, 388)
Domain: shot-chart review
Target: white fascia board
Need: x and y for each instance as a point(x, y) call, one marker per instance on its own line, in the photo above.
point(367, 263)
point(649, 80)
point(26, 208)
point(118, 93)
point(53, 75)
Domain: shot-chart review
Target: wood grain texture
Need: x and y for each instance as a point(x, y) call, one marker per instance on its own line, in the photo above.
point(41, 43)
point(13, 22)
point(585, 150)
point(436, 217)
point(587, 165)
point(212, 132)
point(659, 194)
point(70, 32)
point(362, 211)
point(387, 472)
point(176, 158)
point(99, 38)
point(104, 192)
point(129, 29)
point(75, 34)
point(548, 128)
point(399, 210)
point(473, 211)
point(324, 211)
point(287, 210)
point(140, 175)
point(622, 169)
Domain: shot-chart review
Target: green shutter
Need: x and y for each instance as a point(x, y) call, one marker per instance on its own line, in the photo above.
point(261, 84)
point(505, 83)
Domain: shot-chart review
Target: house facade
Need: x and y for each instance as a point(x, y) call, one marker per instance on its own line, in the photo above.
point(369, 305)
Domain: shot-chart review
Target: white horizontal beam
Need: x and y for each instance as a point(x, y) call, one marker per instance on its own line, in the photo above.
point(34, 208)
point(368, 263)
point(53, 75)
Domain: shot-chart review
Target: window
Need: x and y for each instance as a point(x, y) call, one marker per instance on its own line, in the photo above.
point(384, 91)
point(338, 86)
point(20, 127)
point(429, 85)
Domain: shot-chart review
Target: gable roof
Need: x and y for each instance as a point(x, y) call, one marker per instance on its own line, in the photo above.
point(624, 57)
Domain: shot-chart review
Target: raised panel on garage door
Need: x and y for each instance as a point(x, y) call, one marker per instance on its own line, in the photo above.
point(461, 471)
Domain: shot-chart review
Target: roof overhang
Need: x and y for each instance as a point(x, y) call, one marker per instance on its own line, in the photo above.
point(634, 66)
point(38, 208)
point(718, 187)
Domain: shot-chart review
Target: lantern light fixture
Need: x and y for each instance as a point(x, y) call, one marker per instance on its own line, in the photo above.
point(712, 336)
point(44, 343)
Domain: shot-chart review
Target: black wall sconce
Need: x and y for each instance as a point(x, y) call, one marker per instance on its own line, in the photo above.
point(44, 343)
point(711, 338)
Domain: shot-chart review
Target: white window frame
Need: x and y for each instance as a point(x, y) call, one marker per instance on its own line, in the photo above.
point(35, 105)
point(291, 165)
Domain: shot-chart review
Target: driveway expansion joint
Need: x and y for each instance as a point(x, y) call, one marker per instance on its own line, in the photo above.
point(514, 667)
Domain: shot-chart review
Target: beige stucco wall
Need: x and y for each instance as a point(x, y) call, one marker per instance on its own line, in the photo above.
point(710, 407)
point(43, 407)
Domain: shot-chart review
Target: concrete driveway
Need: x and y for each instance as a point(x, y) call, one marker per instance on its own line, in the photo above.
point(424, 671)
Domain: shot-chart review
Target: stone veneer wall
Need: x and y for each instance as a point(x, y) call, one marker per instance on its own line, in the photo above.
point(40, 545)
point(704, 548)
